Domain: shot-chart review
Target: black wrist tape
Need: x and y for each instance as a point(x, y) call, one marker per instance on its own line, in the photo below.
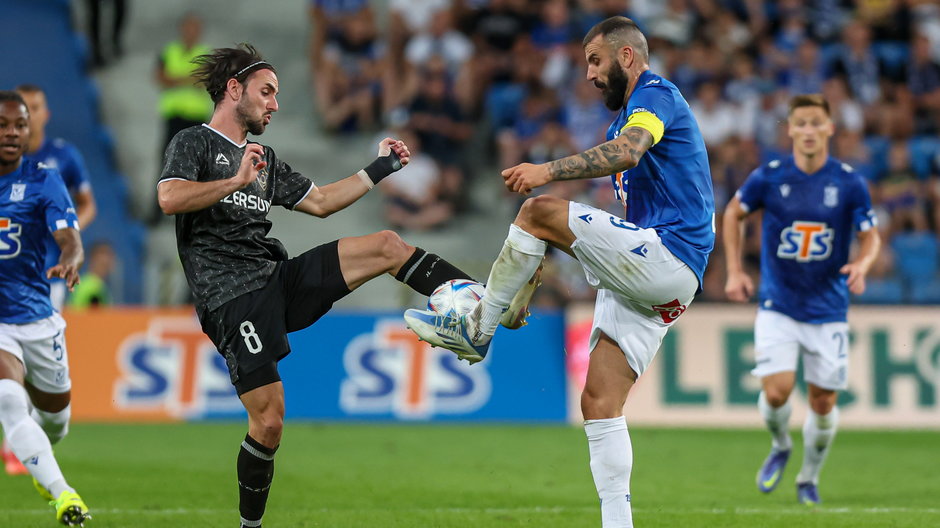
point(383, 166)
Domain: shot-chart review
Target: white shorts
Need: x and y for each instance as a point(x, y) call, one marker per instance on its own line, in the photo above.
point(40, 346)
point(642, 287)
point(779, 340)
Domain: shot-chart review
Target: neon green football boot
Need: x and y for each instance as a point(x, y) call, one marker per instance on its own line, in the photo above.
point(70, 510)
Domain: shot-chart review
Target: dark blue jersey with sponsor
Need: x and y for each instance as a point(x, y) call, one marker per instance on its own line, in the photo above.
point(808, 226)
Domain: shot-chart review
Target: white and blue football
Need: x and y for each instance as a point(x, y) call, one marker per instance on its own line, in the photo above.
point(456, 297)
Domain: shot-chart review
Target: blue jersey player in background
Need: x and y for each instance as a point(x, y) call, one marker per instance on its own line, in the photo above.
point(812, 205)
point(647, 265)
point(59, 154)
point(33, 357)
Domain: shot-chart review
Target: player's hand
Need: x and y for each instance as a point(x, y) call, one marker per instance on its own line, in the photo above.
point(739, 286)
point(69, 272)
point(856, 279)
point(524, 177)
point(251, 164)
point(388, 145)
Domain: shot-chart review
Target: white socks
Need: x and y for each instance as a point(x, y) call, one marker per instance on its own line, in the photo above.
point(818, 432)
point(55, 424)
point(777, 420)
point(27, 440)
point(611, 463)
point(517, 261)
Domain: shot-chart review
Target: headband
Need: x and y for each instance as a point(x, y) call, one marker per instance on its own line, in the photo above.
point(252, 65)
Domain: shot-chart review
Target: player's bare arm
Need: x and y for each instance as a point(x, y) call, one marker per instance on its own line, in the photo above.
point(183, 196)
point(324, 201)
point(869, 245)
point(739, 287)
point(71, 257)
point(85, 207)
point(619, 154)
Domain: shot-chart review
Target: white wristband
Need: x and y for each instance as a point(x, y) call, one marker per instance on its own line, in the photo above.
point(365, 178)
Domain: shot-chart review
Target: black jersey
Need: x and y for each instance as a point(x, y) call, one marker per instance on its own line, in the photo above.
point(224, 248)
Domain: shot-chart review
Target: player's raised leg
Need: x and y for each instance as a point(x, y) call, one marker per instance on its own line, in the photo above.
point(774, 406)
point(609, 380)
point(366, 257)
point(255, 465)
point(819, 430)
point(541, 220)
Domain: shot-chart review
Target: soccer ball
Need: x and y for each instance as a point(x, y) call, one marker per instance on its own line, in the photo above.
point(455, 297)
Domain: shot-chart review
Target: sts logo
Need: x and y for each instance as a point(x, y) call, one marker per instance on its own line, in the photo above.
point(390, 371)
point(805, 241)
point(9, 238)
point(173, 367)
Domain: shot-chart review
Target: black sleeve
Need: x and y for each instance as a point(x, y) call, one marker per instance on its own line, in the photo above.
point(185, 156)
point(290, 187)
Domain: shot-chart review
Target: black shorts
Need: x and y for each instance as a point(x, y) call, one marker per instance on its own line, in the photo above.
point(251, 330)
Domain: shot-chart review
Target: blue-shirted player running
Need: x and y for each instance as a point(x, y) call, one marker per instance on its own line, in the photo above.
point(647, 266)
point(59, 154)
point(33, 357)
point(812, 205)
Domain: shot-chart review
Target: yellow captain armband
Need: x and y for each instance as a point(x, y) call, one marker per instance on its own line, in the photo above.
point(647, 121)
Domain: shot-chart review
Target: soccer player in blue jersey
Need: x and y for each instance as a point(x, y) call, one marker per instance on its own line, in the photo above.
point(55, 153)
point(647, 265)
point(61, 155)
point(33, 358)
point(812, 204)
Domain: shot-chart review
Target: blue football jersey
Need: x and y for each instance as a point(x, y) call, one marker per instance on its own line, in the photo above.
point(33, 203)
point(62, 156)
point(670, 190)
point(808, 226)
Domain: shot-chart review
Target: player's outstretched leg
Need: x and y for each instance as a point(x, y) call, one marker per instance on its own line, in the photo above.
point(31, 445)
point(818, 433)
point(424, 272)
point(777, 420)
point(470, 335)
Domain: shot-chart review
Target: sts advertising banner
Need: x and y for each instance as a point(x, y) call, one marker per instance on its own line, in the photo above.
point(157, 365)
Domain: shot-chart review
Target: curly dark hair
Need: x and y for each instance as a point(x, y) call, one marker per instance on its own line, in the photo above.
point(10, 95)
point(215, 69)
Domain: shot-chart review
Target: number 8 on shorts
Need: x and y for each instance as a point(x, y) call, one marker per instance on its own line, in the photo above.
point(252, 341)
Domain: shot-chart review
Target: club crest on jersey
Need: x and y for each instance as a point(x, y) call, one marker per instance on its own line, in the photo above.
point(806, 241)
point(831, 196)
point(785, 190)
point(263, 179)
point(221, 159)
point(17, 192)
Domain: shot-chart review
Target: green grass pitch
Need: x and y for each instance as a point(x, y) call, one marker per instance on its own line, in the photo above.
point(493, 476)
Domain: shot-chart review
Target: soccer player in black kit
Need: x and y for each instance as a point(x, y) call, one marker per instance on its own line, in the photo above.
point(248, 293)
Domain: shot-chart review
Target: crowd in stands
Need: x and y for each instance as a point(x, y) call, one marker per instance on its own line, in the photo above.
point(511, 72)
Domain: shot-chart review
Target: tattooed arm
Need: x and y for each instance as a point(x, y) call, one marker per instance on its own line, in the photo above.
point(605, 159)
